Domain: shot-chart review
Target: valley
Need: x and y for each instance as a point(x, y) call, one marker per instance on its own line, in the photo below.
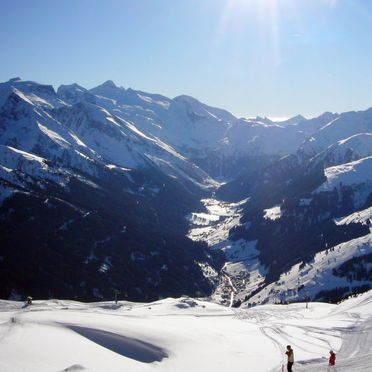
point(112, 189)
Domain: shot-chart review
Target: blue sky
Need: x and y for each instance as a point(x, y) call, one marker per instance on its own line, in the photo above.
point(253, 57)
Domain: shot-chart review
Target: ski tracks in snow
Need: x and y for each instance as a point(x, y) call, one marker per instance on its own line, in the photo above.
point(284, 328)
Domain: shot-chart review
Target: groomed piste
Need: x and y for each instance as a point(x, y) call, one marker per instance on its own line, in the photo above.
point(183, 335)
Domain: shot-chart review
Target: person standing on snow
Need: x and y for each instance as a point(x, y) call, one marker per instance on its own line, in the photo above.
point(332, 358)
point(332, 361)
point(290, 356)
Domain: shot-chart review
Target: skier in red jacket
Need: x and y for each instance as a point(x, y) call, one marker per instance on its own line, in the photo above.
point(332, 358)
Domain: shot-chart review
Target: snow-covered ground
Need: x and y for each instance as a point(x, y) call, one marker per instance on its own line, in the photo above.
point(317, 275)
point(364, 217)
point(273, 213)
point(356, 174)
point(308, 279)
point(183, 335)
point(213, 227)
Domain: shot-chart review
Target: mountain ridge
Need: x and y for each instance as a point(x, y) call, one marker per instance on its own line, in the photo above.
point(148, 161)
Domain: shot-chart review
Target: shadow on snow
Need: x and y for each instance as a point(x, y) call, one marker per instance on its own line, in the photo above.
point(128, 347)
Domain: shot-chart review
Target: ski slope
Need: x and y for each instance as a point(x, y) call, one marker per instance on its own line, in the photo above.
point(183, 335)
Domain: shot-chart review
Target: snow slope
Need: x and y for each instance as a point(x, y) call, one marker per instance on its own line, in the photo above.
point(337, 129)
point(307, 280)
point(364, 217)
point(80, 132)
point(182, 335)
point(344, 151)
point(356, 174)
point(257, 138)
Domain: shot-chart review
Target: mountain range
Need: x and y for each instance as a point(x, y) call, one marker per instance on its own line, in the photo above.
point(113, 189)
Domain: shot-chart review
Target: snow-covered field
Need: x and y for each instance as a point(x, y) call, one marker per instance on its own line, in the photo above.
point(183, 335)
point(213, 227)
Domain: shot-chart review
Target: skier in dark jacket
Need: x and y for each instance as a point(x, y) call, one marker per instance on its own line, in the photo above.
point(290, 356)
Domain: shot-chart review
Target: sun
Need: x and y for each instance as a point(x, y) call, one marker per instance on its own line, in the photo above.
point(265, 11)
point(260, 8)
point(235, 24)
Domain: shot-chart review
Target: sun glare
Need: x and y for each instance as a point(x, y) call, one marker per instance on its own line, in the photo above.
point(249, 3)
point(237, 11)
point(237, 14)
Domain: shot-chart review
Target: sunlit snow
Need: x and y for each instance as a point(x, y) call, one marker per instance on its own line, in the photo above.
point(273, 213)
point(183, 335)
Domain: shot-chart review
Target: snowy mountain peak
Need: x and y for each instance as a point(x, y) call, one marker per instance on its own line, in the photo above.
point(121, 95)
point(14, 80)
point(294, 120)
point(203, 110)
point(31, 87)
point(41, 95)
point(187, 99)
point(74, 93)
point(73, 86)
point(109, 84)
point(328, 114)
point(298, 117)
point(265, 120)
